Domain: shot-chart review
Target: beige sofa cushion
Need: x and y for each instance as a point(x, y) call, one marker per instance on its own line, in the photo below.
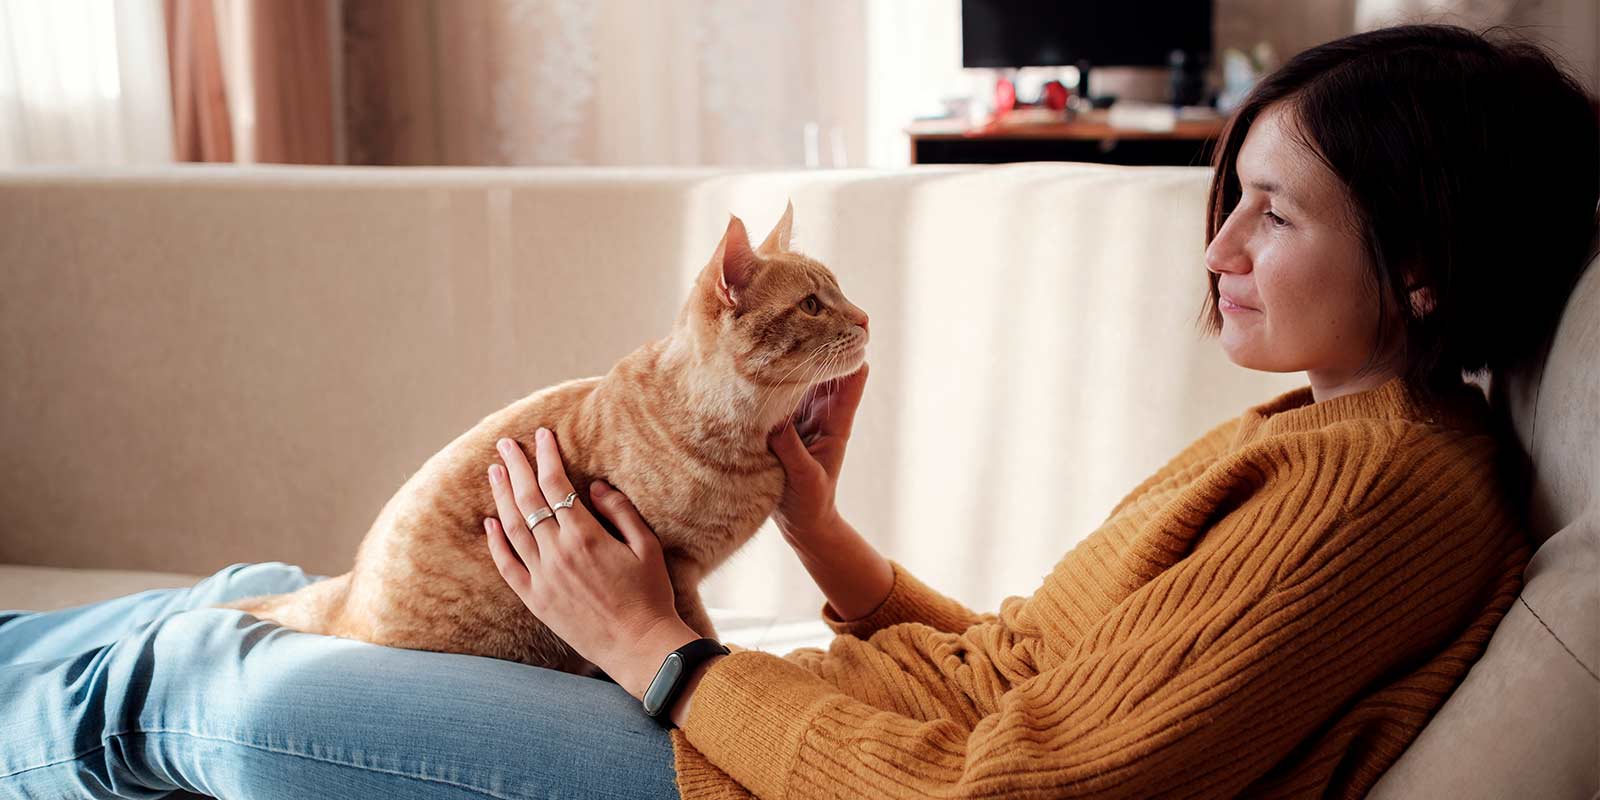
point(50, 588)
point(1526, 720)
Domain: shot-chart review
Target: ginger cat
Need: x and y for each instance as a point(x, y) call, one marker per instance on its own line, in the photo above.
point(679, 425)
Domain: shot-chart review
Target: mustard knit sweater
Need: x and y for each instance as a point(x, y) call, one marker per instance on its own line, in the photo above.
point(1275, 612)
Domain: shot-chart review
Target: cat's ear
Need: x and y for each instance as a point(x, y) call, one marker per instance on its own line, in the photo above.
point(734, 262)
point(778, 240)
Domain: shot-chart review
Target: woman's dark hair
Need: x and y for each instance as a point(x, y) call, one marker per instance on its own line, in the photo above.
point(1473, 168)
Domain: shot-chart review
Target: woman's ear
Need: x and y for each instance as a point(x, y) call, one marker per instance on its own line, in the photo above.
point(1421, 300)
point(1418, 294)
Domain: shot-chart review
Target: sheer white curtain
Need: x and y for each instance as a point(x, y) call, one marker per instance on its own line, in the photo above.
point(83, 81)
point(785, 83)
point(635, 82)
point(793, 83)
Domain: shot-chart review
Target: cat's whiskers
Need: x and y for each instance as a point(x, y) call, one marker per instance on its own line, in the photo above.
point(813, 354)
point(838, 355)
point(828, 409)
point(820, 370)
point(767, 392)
point(773, 389)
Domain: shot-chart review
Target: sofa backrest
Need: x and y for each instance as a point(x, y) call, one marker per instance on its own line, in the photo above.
point(1525, 722)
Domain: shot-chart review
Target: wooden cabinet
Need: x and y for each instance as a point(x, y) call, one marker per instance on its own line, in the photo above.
point(1089, 137)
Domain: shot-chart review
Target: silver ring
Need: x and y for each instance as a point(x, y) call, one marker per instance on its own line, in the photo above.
point(539, 516)
point(567, 503)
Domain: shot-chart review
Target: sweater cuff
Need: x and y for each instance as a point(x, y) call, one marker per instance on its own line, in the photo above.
point(750, 714)
point(909, 600)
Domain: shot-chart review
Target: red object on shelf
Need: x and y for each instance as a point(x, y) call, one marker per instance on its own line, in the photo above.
point(1005, 96)
point(1055, 96)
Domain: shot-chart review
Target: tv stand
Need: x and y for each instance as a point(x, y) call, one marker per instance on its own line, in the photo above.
point(1085, 137)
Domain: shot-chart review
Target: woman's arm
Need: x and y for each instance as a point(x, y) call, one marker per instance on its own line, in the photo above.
point(851, 573)
point(865, 591)
point(1185, 687)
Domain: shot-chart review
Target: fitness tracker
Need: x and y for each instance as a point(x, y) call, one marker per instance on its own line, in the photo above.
point(674, 671)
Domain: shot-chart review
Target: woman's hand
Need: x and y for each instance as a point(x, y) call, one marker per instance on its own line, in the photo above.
point(611, 601)
point(812, 454)
point(853, 576)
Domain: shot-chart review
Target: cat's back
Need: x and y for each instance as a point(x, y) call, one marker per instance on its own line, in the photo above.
point(454, 480)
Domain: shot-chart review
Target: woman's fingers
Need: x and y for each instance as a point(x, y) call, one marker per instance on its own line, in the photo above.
point(510, 564)
point(840, 415)
point(791, 452)
point(510, 522)
point(838, 418)
point(620, 510)
point(553, 476)
point(525, 489)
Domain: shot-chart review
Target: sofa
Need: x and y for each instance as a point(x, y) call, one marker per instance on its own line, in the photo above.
point(211, 365)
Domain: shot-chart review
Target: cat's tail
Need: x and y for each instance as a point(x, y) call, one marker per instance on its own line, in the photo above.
point(316, 608)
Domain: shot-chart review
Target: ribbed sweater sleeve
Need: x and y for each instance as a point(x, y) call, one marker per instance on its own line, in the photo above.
point(1310, 593)
point(1199, 452)
point(909, 600)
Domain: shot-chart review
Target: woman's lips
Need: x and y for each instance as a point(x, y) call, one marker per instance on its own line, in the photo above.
point(1226, 305)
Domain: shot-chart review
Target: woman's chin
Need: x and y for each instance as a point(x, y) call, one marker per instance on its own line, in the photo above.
point(1240, 353)
point(1253, 359)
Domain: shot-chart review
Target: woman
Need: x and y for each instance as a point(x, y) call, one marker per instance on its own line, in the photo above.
point(1278, 610)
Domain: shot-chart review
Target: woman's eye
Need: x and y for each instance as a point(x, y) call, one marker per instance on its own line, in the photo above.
point(1277, 221)
point(811, 305)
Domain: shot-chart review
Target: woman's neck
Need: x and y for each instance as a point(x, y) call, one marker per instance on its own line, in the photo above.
point(1324, 387)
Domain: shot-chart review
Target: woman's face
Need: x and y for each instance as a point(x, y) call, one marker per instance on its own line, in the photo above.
point(1288, 256)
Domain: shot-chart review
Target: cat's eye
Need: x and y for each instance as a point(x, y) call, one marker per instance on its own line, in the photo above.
point(811, 305)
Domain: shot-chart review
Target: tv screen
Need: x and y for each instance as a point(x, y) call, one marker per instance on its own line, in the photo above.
point(1109, 33)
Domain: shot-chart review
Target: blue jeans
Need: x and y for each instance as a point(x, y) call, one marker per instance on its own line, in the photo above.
point(153, 693)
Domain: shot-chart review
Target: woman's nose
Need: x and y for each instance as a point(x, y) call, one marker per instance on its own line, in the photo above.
point(1223, 256)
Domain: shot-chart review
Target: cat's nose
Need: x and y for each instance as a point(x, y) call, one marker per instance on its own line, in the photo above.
point(862, 321)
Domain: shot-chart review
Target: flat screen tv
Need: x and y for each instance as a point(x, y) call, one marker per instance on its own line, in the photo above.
point(1104, 33)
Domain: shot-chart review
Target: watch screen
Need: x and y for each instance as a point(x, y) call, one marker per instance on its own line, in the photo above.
point(666, 678)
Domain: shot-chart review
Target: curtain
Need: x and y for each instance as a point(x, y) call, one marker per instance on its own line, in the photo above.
point(83, 81)
point(287, 49)
point(253, 80)
point(623, 82)
point(201, 128)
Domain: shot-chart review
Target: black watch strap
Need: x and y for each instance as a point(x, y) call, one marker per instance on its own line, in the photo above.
point(673, 673)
